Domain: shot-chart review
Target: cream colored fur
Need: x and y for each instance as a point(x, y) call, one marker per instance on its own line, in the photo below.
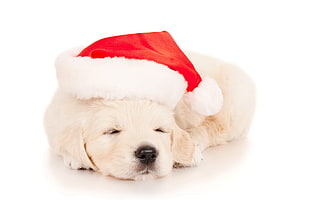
point(81, 130)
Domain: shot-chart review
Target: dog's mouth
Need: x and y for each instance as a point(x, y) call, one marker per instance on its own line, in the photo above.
point(145, 173)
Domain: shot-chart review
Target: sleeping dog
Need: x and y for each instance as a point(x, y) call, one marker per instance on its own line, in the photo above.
point(138, 138)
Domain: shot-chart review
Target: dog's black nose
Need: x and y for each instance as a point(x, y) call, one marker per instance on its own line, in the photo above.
point(146, 154)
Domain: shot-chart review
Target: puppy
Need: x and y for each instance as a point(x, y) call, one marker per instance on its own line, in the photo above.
point(140, 139)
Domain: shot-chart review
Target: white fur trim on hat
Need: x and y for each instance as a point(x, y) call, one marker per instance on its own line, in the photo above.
point(206, 99)
point(118, 78)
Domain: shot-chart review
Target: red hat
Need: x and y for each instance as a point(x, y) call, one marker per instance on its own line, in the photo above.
point(144, 65)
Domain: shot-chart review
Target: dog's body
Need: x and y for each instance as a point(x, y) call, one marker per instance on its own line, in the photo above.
point(136, 139)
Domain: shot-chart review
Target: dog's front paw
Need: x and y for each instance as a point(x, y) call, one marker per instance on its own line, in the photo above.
point(196, 159)
point(73, 163)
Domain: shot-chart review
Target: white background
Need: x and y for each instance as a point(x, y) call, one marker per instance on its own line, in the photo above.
point(268, 39)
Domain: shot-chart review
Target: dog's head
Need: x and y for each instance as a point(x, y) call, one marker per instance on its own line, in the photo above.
point(131, 139)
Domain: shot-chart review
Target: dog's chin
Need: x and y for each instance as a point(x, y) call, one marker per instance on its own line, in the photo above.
point(140, 175)
point(146, 174)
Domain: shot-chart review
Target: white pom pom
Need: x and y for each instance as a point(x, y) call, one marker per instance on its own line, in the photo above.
point(206, 99)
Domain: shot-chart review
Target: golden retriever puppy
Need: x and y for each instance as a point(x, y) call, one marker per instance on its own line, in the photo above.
point(140, 139)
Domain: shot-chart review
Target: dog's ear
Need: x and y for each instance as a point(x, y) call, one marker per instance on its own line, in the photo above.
point(71, 145)
point(183, 147)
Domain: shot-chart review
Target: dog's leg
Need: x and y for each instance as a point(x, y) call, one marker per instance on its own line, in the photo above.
point(200, 136)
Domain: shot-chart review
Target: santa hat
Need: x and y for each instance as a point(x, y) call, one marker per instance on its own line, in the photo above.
point(144, 65)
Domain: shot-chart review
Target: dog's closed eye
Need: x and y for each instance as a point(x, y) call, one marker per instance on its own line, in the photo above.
point(160, 130)
point(112, 132)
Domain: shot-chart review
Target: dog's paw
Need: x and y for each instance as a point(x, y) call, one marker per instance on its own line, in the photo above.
point(196, 160)
point(72, 163)
point(197, 157)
